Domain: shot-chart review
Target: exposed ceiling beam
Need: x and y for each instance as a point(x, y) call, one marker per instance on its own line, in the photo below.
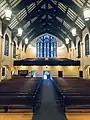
point(63, 15)
point(52, 33)
point(30, 15)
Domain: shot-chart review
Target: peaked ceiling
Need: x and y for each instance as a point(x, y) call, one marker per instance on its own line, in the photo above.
point(37, 17)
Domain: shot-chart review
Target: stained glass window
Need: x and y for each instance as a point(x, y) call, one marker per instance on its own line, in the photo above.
point(46, 46)
point(3, 71)
point(79, 50)
point(6, 45)
point(87, 45)
point(14, 50)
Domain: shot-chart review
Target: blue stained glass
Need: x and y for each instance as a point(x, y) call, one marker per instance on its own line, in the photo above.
point(44, 49)
point(52, 49)
point(37, 47)
point(14, 50)
point(46, 46)
point(6, 47)
point(47, 50)
point(79, 50)
point(87, 45)
point(41, 50)
point(46, 36)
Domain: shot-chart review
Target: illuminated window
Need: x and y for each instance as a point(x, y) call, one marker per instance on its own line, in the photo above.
point(46, 46)
point(79, 50)
point(87, 45)
point(14, 50)
point(3, 71)
point(6, 47)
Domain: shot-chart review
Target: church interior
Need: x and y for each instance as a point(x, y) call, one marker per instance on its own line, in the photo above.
point(44, 59)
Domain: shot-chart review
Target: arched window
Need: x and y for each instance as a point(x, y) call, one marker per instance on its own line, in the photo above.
point(87, 45)
point(46, 46)
point(3, 71)
point(79, 50)
point(14, 50)
point(6, 47)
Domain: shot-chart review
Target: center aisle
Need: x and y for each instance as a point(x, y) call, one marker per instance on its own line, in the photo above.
point(48, 109)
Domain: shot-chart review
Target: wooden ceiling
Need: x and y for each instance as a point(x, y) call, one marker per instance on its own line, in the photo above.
point(37, 17)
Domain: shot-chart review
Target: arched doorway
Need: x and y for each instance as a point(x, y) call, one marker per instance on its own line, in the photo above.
point(46, 74)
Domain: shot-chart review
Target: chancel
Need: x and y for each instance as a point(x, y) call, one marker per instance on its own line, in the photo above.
point(44, 60)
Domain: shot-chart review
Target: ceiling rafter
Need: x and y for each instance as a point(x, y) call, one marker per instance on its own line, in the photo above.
point(57, 24)
point(50, 11)
point(82, 3)
point(55, 28)
point(42, 32)
point(64, 16)
point(34, 25)
point(54, 21)
point(45, 31)
point(47, 16)
point(72, 5)
point(21, 5)
point(25, 18)
point(75, 10)
point(8, 4)
point(50, 20)
point(29, 27)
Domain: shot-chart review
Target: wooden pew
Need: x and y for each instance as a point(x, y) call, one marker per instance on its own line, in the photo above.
point(72, 93)
point(19, 92)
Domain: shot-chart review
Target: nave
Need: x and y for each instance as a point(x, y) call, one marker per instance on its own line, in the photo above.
point(48, 108)
point(38, 98)
point(44, 39)
point(20, 106)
